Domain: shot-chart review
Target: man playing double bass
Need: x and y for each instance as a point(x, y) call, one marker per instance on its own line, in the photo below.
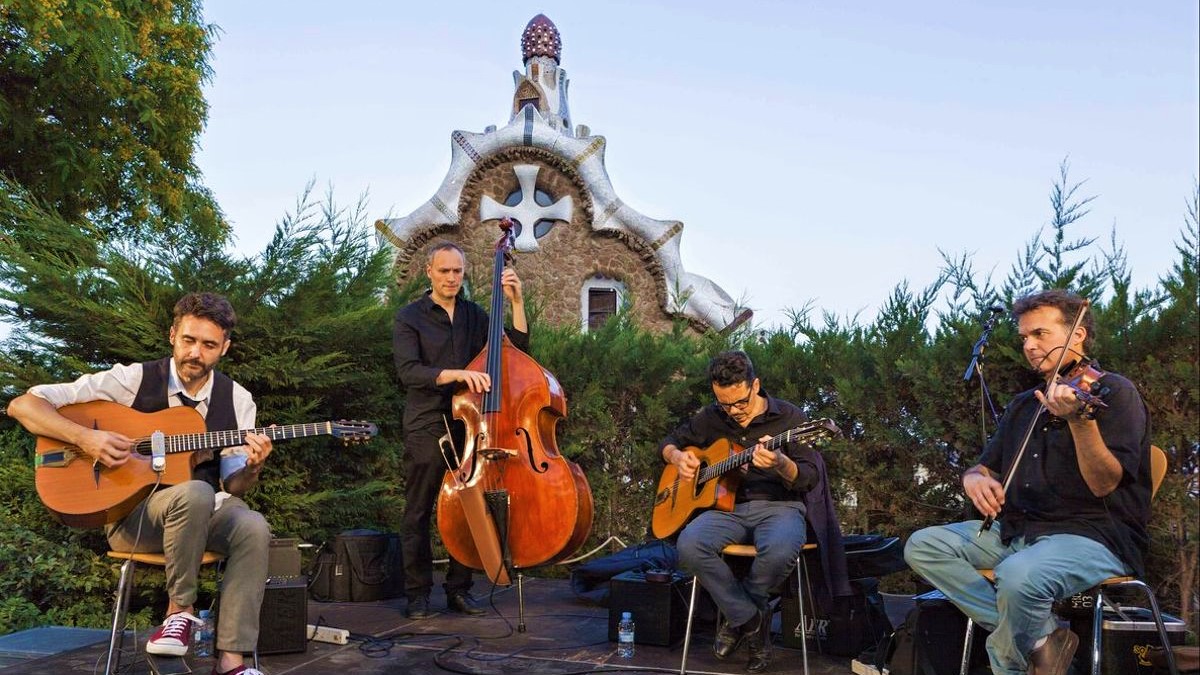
point(1075, 512)
point(433, 339)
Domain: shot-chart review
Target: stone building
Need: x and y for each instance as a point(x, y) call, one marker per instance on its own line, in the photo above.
point(581, 252)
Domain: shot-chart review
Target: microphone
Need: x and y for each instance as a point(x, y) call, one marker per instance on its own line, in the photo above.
point(158, 452)
point(977, 351)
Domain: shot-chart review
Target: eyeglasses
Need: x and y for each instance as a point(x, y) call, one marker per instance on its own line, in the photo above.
point(740, 404)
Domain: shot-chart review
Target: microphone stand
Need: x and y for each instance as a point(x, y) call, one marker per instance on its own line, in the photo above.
point(976, 366)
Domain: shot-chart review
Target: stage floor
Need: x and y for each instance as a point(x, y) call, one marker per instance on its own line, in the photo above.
point(563, 635)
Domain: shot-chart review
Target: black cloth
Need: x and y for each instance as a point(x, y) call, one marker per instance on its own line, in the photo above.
point(152, 397)
point(1048, 494)
point(810, 487)
point(424, 343)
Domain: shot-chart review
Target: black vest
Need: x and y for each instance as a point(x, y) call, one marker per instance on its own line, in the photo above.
point(152, 397)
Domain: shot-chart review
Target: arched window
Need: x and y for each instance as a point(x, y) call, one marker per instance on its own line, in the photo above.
point(600, 298)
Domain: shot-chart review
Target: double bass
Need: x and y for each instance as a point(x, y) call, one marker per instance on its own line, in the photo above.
point(512, 501)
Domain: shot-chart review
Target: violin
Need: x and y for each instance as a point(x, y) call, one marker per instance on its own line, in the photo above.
point(1084, 379)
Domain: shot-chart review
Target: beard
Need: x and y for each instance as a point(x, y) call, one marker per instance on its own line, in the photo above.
point(192, 370)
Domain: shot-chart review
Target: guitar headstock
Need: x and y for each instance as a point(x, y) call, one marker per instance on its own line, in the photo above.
point(353, 431)
point(821, 429)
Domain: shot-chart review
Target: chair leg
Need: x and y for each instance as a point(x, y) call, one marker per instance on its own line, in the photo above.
point(1158, 622)
point(801, 575)
point(687, 632)
point(1097, 628)
point(116, 638)
point(965, 666)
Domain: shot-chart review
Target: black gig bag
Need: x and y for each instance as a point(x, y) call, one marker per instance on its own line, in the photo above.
point(358, 566)
point(853, 623)
point(930, 641)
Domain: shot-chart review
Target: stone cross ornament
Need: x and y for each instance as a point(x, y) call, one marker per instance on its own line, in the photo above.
point(527, 213)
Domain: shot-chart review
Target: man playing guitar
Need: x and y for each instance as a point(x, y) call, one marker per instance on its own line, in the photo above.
point(182, 520)
point(769, 509)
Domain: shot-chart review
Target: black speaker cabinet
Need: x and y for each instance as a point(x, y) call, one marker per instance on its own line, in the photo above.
point(281, 623)
point(659, 608)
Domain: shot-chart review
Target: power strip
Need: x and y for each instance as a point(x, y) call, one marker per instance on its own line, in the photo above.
point(334, 636)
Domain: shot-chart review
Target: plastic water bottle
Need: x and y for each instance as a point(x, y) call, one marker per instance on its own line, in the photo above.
point(625, 636)
point(202, 635)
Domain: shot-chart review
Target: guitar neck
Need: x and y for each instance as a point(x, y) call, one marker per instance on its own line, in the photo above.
point(226, 439)
point(809, 431)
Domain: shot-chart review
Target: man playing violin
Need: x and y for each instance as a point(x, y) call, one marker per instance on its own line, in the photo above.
point(184, 520)
point(1076, 509)
point(433, 340)
point(781, 488)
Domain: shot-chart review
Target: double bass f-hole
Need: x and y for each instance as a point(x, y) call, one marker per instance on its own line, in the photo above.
point(538, 467)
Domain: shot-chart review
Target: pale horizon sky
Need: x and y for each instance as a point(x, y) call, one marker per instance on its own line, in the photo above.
point(815, 152)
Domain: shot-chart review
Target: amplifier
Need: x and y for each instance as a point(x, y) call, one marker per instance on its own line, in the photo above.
point(281, 623)
point(659, 608)
point(283, 558)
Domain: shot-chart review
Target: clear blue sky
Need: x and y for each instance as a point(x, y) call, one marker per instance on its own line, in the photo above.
point(813, 150)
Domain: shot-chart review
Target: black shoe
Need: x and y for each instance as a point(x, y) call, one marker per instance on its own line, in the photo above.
point(463, 603)
point(758, 643)
point(728, 640)
point(418, 608)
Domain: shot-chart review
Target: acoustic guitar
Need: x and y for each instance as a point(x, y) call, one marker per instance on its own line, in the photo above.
point(86, 494)
point(677, 500)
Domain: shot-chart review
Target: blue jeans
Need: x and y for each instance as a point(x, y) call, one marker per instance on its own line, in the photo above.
point(1029, 578)
point(777, 530)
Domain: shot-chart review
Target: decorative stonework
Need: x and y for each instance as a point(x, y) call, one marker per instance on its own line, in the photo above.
point(595, 234)
point(541, 38)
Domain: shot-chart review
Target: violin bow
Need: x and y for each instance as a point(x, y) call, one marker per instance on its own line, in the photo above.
point(1012, 469)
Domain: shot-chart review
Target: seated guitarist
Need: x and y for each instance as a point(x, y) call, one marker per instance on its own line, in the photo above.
point(183, 520)
point(774, 497)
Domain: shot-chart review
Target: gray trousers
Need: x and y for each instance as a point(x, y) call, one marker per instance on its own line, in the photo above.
point(180, 523)
point(777, 530)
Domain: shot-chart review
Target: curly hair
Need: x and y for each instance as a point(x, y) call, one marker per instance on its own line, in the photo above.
point(729, 368)
point(1066, 302)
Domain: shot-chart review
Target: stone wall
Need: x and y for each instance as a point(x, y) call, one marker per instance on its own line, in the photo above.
point(570, 253)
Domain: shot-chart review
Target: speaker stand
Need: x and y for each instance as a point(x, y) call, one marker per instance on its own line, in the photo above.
point(520, 602)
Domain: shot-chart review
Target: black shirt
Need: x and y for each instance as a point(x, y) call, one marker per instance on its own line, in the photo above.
point(425, 343)
point(712, 424)
point(1048, 494)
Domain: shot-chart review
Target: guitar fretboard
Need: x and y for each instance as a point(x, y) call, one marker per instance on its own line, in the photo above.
point(226, 439)
point(805, 432)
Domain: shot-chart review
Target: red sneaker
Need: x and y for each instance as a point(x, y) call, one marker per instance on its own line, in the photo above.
point(172, 637)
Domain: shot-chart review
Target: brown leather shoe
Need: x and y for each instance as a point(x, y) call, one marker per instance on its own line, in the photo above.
point(1054, 657)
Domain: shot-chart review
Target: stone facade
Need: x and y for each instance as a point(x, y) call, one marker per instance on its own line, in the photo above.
point(569, 255)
